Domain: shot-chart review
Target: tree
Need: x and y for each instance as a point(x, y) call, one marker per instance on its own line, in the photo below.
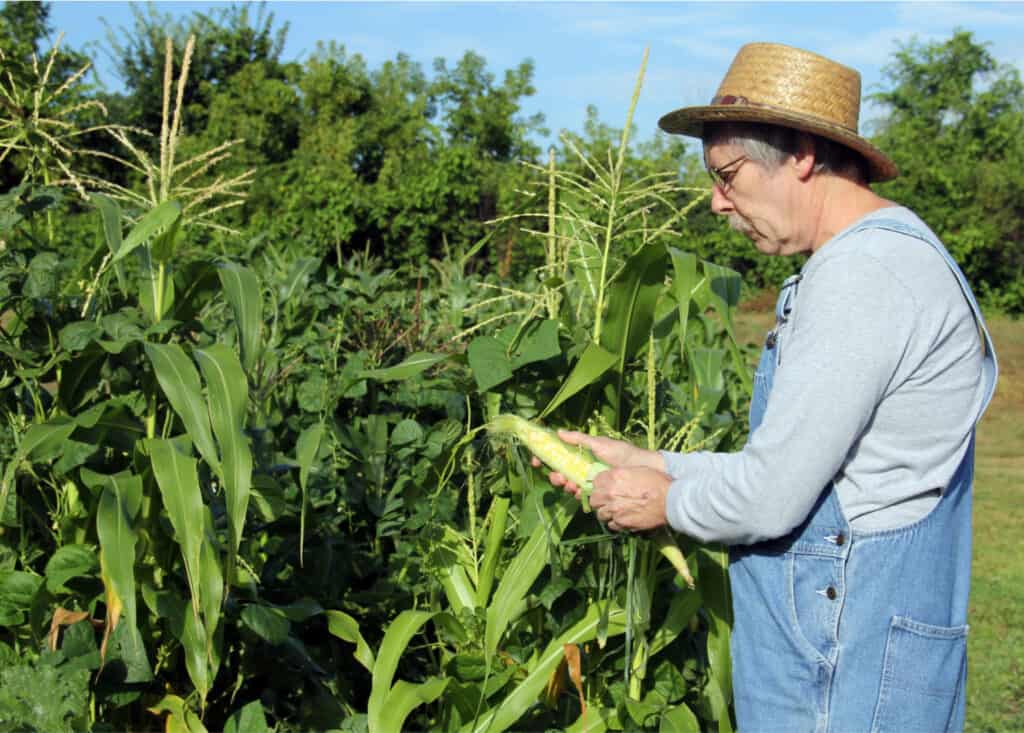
point(955, 127)
point(227, 40)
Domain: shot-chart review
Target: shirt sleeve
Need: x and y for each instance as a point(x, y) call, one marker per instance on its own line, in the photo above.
point(849, 332)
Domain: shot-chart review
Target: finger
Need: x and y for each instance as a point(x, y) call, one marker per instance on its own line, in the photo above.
point(535, 462)
point(573, 437)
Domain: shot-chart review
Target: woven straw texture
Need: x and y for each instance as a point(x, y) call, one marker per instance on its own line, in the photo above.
point(773, 83)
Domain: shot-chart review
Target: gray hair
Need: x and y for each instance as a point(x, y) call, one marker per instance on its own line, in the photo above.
point(770, 145)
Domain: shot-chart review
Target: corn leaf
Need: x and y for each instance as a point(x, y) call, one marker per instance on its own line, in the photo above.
point(118, 539)
point(498, 518)
point(592, 365)
point(228, 398)
point(179, 487)
point(157, 221)
point(404, 698)
point(396, 639)
point(709, 382)
point(685, 284)
point(632, 301)
point(297, 278)
point(682, 608)
point(195, 647)
point(510, 597)
point(179, 381)
point(110, 215)
point(723, 291)
point(306, 448)
point(524, 696)
point(345, 627)
point(242, 289)
point(211, 582)
point(713, 563)
point(413, 365)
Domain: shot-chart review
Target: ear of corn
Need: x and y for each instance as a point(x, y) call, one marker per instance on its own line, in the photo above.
point(574, 462)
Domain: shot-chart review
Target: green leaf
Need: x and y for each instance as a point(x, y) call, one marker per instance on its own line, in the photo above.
point(228, 397)
point(179, 486)
point(76, 336)
point(592, 365)
point(685, 284)
point(345, 627)
point(724, 295)
point(117, 554)
point(489, 362)
point(297, 278)
point(538, 342)
point(18, 588)
point(509, 599)
point(211, 590)
point(193, 641)
point(267, 623)
point(250, 719)
point(610, 618)
point(69, 561)
point(306, 448)
point(158, 220)
point(110, 214)
point(404, 698)
point(679, 719)
point(179, 381)
point(397, 637)
point(713, 563)
point(242, 289)
point(709, 382)
point(44, 437)
point(410, 367)
point(632, 300)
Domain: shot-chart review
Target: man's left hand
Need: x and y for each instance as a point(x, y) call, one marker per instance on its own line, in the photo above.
point(631, 498)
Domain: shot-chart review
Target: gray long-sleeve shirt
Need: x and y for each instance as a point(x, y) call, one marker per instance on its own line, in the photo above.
point(877, 389)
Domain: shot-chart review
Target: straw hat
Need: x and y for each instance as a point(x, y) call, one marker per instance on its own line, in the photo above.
point(787, 86)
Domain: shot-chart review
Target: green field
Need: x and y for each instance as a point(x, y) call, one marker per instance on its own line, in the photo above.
point(996, 685)
point(996, 647)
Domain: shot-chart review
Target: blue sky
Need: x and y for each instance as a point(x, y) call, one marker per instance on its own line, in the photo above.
point(589, 53)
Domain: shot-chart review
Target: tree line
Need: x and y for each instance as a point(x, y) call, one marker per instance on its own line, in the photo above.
point(407, 164)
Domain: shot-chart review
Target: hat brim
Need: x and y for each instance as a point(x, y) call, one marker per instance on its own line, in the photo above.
point(691, 121)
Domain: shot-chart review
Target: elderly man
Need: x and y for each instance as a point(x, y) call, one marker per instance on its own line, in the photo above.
point(849, 510)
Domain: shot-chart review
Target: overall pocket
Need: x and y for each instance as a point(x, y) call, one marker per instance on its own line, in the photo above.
point(923, 677)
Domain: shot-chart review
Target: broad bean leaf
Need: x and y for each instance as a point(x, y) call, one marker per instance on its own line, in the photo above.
point(489, 361)
point(69, 561)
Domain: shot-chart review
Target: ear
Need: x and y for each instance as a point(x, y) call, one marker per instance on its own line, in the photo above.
point(804, 159)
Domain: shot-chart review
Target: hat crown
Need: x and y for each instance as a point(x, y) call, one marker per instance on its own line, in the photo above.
point(793, 80)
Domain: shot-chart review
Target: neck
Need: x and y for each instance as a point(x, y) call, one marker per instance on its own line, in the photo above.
point(839, 202)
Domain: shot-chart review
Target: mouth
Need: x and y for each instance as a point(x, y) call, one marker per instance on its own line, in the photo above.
point(742, 226)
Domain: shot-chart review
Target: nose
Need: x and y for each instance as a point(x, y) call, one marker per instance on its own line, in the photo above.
point(720, 203)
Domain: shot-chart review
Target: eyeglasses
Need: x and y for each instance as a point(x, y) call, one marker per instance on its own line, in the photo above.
point(722, 176)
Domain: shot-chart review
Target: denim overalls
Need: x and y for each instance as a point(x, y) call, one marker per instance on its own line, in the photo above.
point(842, 631)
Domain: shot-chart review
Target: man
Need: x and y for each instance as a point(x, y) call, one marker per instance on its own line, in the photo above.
point(849, 509)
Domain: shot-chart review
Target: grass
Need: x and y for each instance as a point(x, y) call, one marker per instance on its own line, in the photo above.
point(995, 687)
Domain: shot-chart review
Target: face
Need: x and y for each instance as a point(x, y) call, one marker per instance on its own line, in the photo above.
point(760, 204)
